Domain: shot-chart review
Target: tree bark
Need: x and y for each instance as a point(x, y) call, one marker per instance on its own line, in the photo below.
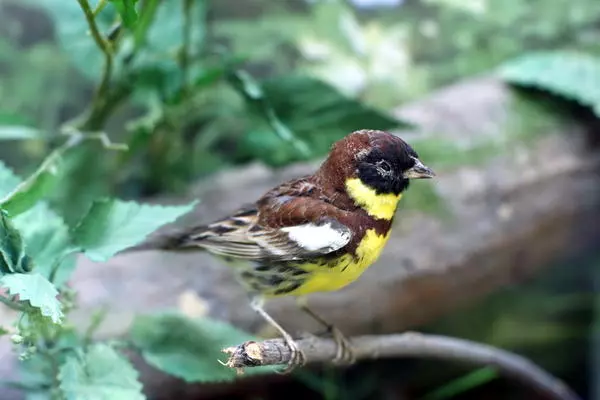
point(409, 344)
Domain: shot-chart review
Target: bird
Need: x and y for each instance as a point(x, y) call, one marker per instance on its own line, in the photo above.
point(316, 233)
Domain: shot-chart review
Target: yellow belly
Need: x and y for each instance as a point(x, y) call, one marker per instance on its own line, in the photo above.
point(346, 269)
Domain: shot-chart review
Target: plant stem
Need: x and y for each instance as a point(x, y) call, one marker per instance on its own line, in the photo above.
point(97, 319)
point(13, 305)
point(99, 7)
point(184, 57)
point(103, 102)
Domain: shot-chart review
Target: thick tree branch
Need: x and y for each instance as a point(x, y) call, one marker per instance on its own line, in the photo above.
point(276, 352)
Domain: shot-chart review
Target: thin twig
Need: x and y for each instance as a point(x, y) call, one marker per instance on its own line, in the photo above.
point(102, 44)
point(99, 7)
point(276, 352)
point(184, 57)
point(101, 95)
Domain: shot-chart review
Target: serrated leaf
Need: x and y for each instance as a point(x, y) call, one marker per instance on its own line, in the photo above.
point(186, 348)
point(99, 374)
point(127, 11)
point(35, 187)
point(36, 289)
point(13, 258)
point(575, 76)
point(47, 240)
point(113, 225)
point(18, 132)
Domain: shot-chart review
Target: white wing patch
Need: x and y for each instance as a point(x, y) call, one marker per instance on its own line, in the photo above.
point(322, 238)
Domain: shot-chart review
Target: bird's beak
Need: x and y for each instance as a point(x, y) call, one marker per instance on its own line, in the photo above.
point(419, 171)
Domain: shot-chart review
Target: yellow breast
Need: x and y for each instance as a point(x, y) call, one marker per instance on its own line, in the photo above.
point(346, 269)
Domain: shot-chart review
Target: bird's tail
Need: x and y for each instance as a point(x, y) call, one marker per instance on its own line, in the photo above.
point(169, 241)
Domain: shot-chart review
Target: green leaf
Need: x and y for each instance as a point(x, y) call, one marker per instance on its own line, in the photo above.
point(76, 173)
point(30, 191)
point(159, 38)
point(463, 384)
point(127, 11)
point(36, 289)
point(18, 132)
point(260, 104)
point(99, 374)
point(575, 76)
point(317, 105)
point(147, 14)
point(38, 395)
point(112, 225)
point(316, 112)
point(166, 33)
point(47, 240)
point(33, 373)
point(10, 118)
point(188, 349)
point(13, 258)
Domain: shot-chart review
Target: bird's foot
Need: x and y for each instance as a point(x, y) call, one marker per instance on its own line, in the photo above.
point(297, 357)
point(344, 352)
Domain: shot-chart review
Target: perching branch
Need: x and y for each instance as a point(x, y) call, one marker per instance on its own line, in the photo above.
point(276, 352)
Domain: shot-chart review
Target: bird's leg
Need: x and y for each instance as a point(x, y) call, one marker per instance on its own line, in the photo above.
point(297, 357)
point(344, 353)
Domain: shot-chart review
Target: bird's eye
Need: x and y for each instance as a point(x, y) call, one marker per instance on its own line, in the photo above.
point(384, 165)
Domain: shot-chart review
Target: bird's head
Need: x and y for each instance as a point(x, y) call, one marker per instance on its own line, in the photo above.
point(373, 167)
point(380, 160)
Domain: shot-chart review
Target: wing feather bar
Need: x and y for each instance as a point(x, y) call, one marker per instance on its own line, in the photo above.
point(322, 238)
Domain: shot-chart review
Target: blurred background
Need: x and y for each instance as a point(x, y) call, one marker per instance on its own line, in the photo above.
point(202, 90)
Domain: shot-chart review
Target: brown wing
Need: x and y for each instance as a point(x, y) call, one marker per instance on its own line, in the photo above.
point(291, 222)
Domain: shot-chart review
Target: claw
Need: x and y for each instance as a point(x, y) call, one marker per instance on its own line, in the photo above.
point(344, 353)
point(297, 356)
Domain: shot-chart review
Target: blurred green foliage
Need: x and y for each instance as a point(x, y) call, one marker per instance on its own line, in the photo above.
point(574, 76)
point(386, 56)
point(175, 96)
point(179, 89)
point(179, 101)
point(37, 252)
